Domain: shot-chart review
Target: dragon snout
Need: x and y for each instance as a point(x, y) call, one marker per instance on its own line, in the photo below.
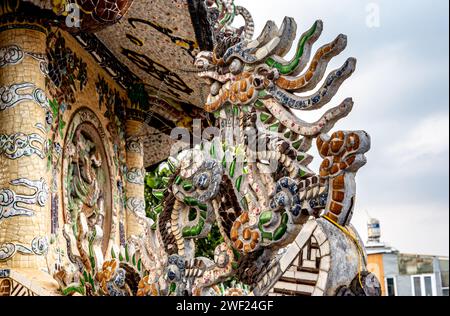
point(364, 142)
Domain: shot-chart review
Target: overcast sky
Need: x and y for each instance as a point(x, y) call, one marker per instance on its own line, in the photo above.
point(401, 99)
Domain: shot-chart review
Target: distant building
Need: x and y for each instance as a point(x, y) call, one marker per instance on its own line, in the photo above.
point(405, 274)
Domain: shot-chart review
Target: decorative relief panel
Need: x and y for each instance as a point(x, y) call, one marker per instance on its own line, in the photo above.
point(87, 177)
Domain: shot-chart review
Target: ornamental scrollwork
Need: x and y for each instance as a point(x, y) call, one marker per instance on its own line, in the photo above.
point(11, 203)
point(136, 206)
point(18, 145)
point(39, 247)
point(135, 145)
point(136, 176)
point(13, 55)
point(10, 96)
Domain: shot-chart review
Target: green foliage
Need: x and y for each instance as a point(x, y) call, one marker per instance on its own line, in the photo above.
point(127, 255)
point(79, 288)
point(139, 265)
point(173, 288)
point(73, 289)
point(205, 247)
point(139, 96)
point(156, 185)
point(57, 112)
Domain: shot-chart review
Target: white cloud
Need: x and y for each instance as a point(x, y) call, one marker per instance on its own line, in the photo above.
point(383, 83)
point(411, 228)
point(428, 139)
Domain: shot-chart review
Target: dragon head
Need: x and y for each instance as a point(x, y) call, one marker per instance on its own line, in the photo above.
point(240, 70)
point(231, 79)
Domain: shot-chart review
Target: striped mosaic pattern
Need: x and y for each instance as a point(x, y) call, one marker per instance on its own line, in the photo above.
point(10, 287)
point(301, 277)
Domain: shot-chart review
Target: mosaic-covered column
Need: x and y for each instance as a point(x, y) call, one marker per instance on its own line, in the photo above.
point(135, 189)
point(24, 174)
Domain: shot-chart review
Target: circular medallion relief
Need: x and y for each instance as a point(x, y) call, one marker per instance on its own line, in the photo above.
point(87, 184)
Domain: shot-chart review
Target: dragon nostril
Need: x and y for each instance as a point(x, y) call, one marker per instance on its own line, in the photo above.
point(273, 75)
point(172, 275)
point(257, 82)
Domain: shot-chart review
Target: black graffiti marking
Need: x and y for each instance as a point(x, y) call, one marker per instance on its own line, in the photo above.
point(156, 89)
point(187, 45)
point(109, 98)
point(157, 71)
point(9, 6)
point(135, 40)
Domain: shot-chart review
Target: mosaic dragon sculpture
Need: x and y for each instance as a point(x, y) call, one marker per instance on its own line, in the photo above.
point(252, 179)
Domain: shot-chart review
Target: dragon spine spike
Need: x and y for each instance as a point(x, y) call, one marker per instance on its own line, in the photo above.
point(317, 68)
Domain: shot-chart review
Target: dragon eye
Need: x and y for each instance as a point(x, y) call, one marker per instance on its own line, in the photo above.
point(203, 181)
point(236, 67)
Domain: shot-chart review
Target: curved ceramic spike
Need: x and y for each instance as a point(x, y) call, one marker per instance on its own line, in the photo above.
point(270, 31)
point(267, 49)
point(287, 36)
point(249, 22)
point(323, 125)
point(317, 68)
point(300, 60)
point(270, 41)
point(322, 96)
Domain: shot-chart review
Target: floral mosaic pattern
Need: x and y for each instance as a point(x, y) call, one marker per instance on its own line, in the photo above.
point(67, 72)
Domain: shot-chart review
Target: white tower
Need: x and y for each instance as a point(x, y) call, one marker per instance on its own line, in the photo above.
point(374, 231)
